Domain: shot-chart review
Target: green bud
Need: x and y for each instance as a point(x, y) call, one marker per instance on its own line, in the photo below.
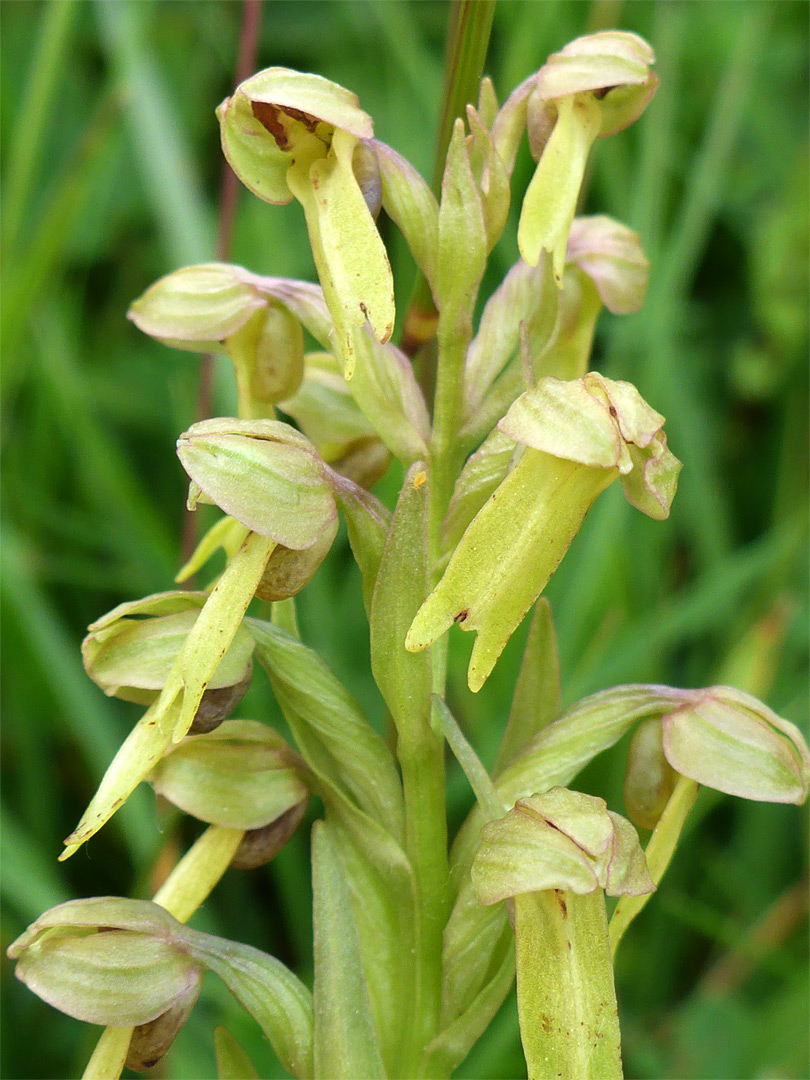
point(130, 651)
point(580, 436)
point(594, 87)
point(411, 205)
point(107, 961)
point(648, 779)
point(242, 776)
point(263, 473)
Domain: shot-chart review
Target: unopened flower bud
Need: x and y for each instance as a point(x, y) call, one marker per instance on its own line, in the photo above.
point(107, 961)
point(259, 846)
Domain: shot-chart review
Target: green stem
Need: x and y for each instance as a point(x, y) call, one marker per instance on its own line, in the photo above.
point(569, 1023)
point(659, 852)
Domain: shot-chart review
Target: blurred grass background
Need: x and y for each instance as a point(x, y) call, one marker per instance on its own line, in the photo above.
point(111, 173)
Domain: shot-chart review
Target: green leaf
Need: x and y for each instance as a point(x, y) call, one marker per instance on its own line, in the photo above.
point(383, 899)
point(345, 1041)
point(404, 678)
point(536, 701)
point(232, 1060)
point(472, 938)
point(333, 736)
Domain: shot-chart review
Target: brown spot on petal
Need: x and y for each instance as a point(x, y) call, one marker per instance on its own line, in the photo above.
point(461, 617)
point(561, 901)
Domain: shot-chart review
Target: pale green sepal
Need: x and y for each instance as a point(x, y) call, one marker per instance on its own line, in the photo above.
point(565, 419)
point(411, 205)
point(611, 255)
point(199, 307)
point(321, 99)
point(462, 233)
point(168, 719)
point(346, 1044)
point(550, 201)
point(331, 733)
point(227, 534)
point(569, 1023)
point(492, 179)
point(132, 659)
point(523, 853)
point(241, 776)
point(613, 63)
point(526, 295)
point(277, 1000)
point(233, 1062)
point(507, 555)
point(404, 678)
point(263, 473)
point(251, 151)
point(481, 475)
point(651, 484)
point(367, 524)
point(729, 741)
point(536, 701)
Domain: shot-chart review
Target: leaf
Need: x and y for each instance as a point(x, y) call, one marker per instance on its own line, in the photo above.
point(345, 1041)
point(333, 736)
point(367, 523)
point(536, 701)
point(232, 1061)
point(274, 997)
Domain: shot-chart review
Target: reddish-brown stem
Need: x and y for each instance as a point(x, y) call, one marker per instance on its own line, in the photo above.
point(228, 198)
